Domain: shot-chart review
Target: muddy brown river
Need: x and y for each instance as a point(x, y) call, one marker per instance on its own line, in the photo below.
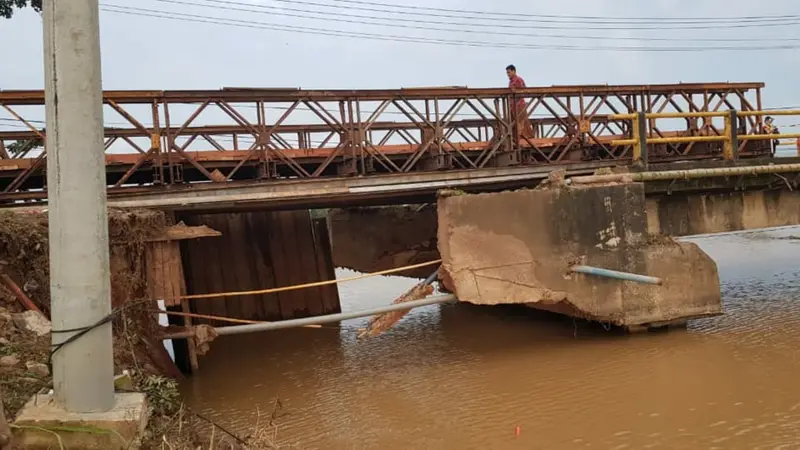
point(464, 377)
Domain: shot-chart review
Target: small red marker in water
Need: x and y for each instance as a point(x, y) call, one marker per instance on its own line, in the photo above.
point(517, 431)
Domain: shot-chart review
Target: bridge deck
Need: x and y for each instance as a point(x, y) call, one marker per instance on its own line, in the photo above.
point(413, 188)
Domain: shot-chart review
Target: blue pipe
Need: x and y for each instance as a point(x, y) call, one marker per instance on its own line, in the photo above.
point(431, 278)
point(589, 270)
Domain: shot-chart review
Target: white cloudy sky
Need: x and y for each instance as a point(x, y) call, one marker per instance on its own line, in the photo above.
point(151, 53)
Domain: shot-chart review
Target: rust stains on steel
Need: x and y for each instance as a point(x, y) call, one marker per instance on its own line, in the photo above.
point(158, 138)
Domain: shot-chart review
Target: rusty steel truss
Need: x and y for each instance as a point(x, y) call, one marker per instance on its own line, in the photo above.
point(157, 138)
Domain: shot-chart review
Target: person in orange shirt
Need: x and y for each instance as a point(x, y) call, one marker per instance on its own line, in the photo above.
point(524, 127)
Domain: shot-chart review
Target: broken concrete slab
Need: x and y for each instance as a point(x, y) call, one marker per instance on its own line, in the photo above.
point(517, 247)
point(44, 424)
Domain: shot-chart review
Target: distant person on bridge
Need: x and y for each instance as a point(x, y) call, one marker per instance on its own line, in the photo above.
point(770, 128)
point(524, 127)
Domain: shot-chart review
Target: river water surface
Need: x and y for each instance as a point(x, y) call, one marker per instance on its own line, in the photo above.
point(464, 377)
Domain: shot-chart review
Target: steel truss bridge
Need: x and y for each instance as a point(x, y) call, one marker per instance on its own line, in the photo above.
point(155, 140)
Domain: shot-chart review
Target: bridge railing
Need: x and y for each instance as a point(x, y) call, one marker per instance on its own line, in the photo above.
point(734, 136)
point(177, 137)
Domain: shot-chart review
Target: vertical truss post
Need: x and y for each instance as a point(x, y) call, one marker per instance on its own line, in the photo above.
point(155, 144)
point(639, 134)
point(266, 167)
point(731, 146)
point(352, 160)
point(158, 168)
point(759, 107)
point(169, 143)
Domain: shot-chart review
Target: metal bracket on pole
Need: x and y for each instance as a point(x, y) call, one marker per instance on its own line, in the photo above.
point(730, 148)
point(639, 132)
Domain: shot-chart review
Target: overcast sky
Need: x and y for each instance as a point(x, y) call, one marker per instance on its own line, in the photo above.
point(153, 53)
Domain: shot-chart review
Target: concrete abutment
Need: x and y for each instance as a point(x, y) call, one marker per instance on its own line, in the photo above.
point(518, 248)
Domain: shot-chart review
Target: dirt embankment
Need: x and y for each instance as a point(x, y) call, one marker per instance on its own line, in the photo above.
point(24, 261)
point(138, 348)
point(24, 258)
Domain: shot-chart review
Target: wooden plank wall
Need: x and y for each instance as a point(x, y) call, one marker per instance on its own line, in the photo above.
point(165, 272)
point(260, 250)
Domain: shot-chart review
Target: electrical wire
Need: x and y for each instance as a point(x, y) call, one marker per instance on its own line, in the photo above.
point(396, 38)
point(392, 22)
point(515, 21)
point(428, 9)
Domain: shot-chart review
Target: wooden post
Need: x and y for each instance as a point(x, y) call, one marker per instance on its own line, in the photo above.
point(165, 277)
point(187, 322)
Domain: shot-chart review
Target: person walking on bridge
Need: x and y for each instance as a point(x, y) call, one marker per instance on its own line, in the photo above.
point(524, 127)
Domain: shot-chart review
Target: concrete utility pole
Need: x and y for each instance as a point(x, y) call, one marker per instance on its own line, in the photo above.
point(80, 288)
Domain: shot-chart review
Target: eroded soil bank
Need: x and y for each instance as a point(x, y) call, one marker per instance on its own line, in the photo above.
point(138, 349)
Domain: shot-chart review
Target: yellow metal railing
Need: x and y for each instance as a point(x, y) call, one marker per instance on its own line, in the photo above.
point(730, 137)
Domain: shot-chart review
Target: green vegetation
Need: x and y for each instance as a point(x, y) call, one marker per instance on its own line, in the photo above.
point(7, 6)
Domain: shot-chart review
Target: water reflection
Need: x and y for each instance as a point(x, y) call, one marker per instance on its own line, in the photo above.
point(461, 376)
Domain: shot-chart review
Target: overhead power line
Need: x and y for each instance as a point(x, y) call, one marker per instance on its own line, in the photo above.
point(421, 40)
point(517, 15)
point(405, 23)
point(549, 24)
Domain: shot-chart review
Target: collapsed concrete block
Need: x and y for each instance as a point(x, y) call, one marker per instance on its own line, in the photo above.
point(518, 247)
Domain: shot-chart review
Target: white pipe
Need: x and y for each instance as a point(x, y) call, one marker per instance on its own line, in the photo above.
point(686, 174)
point(319, 320)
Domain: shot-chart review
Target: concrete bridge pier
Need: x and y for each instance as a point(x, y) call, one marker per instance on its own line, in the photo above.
point(518, 248)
